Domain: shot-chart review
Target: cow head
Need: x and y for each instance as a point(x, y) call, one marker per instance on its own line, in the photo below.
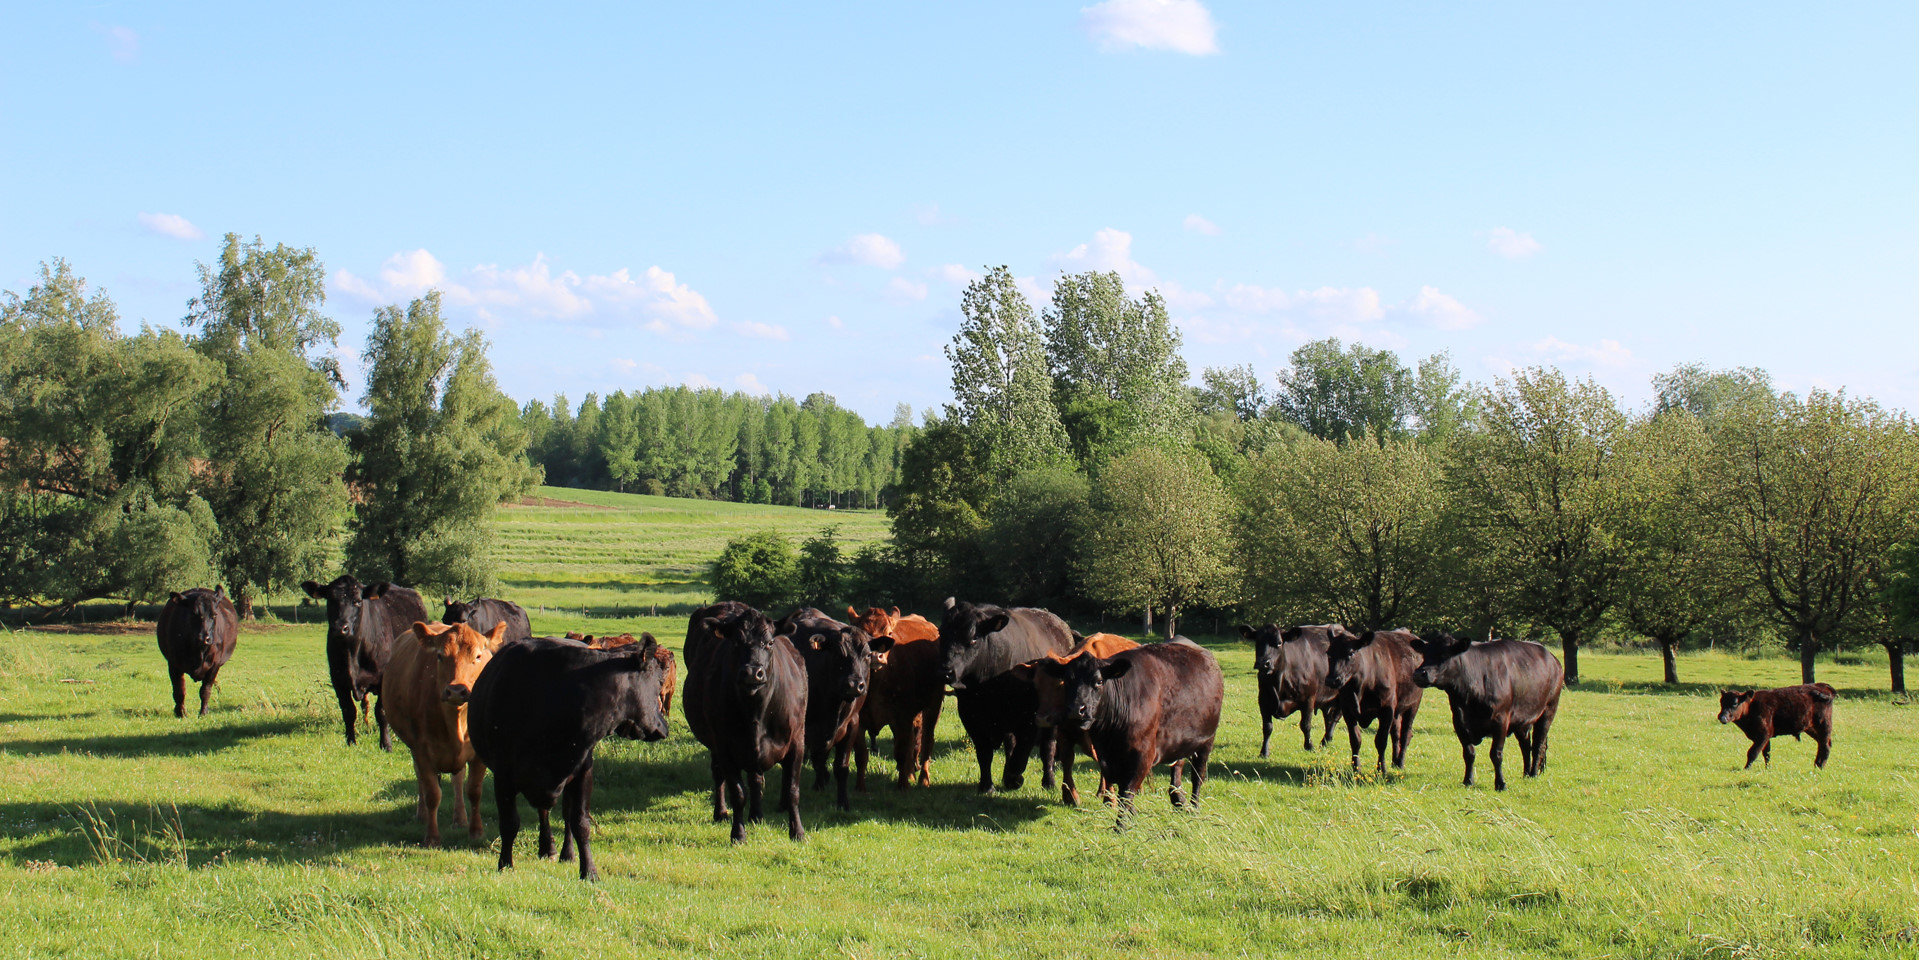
point(1341, 648)
point(1437, 649)
point(847, 651)
point(458, 611)
point(644, 700)
point(1266, 646)
point(461, 652)
point(345, 599)
point(194, 615)
point(749, 640)
point(1734, 704)
point(1050, 693)
point(961, 632)
point(1082, 682)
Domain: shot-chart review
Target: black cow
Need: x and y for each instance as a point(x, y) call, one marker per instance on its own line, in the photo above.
point(1765, 714)
point(1291, 674)
point(746, 700)
point(981, 645)
point(483, 613)
point(1374, 674)
point(361, 624)
point(1152, 704)
point(1495, 688)
point(537, 712)
point(197, 630)
point(839, 662)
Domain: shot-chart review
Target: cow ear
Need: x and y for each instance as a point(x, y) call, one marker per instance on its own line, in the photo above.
point(176, 598)
point(1025, 672)
point(896, 613)
point(1114, 669)
point(1056, 669)
point(879, 644)
point(995, 623)
point(949, 603)
point(710, 625)
point(219, 590)
point(313, 590)
point(852, 614)
point(497, 635)
point(1365, 638)
point(431, 635)
point(1246, 632)
point(813, 642)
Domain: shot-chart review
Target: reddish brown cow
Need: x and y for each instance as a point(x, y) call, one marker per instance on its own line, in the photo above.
point(1374, 675)
point(1765, 714)
point(428, 679)
point(904, 692)
point(1052, 692)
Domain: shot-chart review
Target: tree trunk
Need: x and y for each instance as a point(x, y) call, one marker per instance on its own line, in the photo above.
point(1666, 659)
point(1173, 619)
point(1146, 620)
point(1570, 656)
point(1897, 662)
point(1809, 645)
point(242, 603)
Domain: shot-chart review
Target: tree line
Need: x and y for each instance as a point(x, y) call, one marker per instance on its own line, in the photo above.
point(1077, 468)
point(132, 465)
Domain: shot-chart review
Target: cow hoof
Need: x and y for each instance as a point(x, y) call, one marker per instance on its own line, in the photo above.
point(798, 836)
point(1013, 783)
point(431, 843)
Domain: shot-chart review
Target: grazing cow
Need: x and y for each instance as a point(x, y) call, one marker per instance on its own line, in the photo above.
point(197, 630)
point(1494, 688)
point(905, 691)
point(839, 661)
point(1291, 674)
point(428, 682)
point(746, 700)
point(981, 645)
point(1159, 703)
point(1051, 698)
point(1765, 714)
point(483, 612)
point(361, 624)
point(536, 714)
point(1374, 674)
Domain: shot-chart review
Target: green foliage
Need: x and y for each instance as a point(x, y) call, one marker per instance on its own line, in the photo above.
point(758, 569)
point(1707, 393)
point(1002, 394)
point(1676, 572)
point(1340, 395)
point(274, 479)
point(440, 448)
point(1030, 540)
point(1353, 534)
point(938, 506)
point(821, 572)
point(1118, 377)
point(1157, 535)
point(1900, 587)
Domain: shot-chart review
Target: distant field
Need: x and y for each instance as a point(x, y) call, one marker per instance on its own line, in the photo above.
point(126, 832)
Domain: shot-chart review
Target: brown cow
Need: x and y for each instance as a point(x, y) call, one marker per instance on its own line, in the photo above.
point(1052, 692)
point(1765, 714)
point(1374, 675)
point(904, 692)
point(427, 683)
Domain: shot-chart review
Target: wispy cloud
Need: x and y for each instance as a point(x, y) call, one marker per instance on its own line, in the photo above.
point(1201, 225)
point(122, 43)
point(170, 225)
point(870, 249)
point(1183, 26)
point(1511, 243)
point(956, 274)
point(900, 288)
point(1112, 251)
point(1606, 353)
point(655, 300)
point(1443, 311)
point(761, 331)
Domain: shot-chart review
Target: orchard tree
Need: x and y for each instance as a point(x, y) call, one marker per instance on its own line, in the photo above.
point(441, 448)
point(1350, 533)
point(1002, 394)
point(1533, 487)
point(1157, 535)
point(1811, 494)
point(1899, 593)
point(1674, 567)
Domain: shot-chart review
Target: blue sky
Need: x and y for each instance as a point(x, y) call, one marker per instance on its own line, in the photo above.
point(785, 198)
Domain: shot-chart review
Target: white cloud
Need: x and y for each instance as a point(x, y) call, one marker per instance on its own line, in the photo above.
point(1443, 311)
point(697, 381)
point(751, 384)
point(655, 300)
point(956, 274)
point(870, 249)
point(1183, 26)
point(170, 225)
point(1329, 304)
point(1032, 290)
point(905, 289)
point(761, 331)
point(623, 364)
point(122, 43)
point(1201, 225)
point(835, 323)
point(1512, 244)
point(1111, 250)
point(1608, 353)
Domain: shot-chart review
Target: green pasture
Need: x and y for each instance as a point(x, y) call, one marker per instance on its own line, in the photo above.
point(127, 832)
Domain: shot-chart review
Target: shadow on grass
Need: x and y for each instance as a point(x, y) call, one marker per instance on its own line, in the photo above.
point(186, 741)
point(1686, 689)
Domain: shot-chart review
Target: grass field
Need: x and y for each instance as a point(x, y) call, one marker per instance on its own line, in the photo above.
point(127, 832)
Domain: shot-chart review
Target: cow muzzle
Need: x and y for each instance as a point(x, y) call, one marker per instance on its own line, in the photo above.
point(455, 694)
point(855, 688)
point(1421, 678)
point(753, 676)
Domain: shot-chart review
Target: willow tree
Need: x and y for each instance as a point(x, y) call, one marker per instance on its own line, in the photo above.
point(1157, 535)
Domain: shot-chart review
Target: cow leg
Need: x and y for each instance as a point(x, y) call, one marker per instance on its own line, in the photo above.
point(1179, 768)
point(1523, 735)
point(476, 775)
point(983, 755)
point(1333, 717)
point(1198, 771)
point(1823, 738)
point(1403, 732)
point(1049, 744)
point(1540, 745)
point(380, 717)
point(429, 782)
point(1130, 780)
point(820, 758)
point(929, 720)
point(1466, 753)
point(459, 791)
point(1069, 791)
point(206, 690)
point(720, 792)
point(790, 786)
point(737, 796)
point(1306, 728)
point(1014, 774)
point(1496, 751)
point(860, 762)
point(573, 805)
point(756, 788)
point(1382, 738)
point(906, 752)
point(1766, 752)
point(1353, 740)
point(179, 694)
point(1266, 732)
point(1753, 753)
point(840, 751)
point(505, 811)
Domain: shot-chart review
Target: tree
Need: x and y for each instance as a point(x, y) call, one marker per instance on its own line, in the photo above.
point(97, 432)
point(441, 448)
point(936, 508)
point(822, 569)
point(1001, 389)
point(1811, 495)
point(1899, 581)
point(1156, 535)
point(759, 570)
point(1707, 393)
point(1235, 391)
point(1339, 395)
point(1674, 573)
point(1350, 534)
point(1442, 405)
point(1532, 486)
point(1030, 538)
point(1118, 377)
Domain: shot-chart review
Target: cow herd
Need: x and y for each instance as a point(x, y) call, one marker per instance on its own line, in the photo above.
point(477, 692)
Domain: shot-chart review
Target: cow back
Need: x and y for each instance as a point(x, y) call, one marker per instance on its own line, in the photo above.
point(541, 705)
point(1171, 695)
point(1516, 675)
point(485, 613)
point(1303, 666)
point(1030, 633)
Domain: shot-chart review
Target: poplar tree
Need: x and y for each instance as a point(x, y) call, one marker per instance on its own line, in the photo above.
point(1001, 389)
point(1118, 377)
